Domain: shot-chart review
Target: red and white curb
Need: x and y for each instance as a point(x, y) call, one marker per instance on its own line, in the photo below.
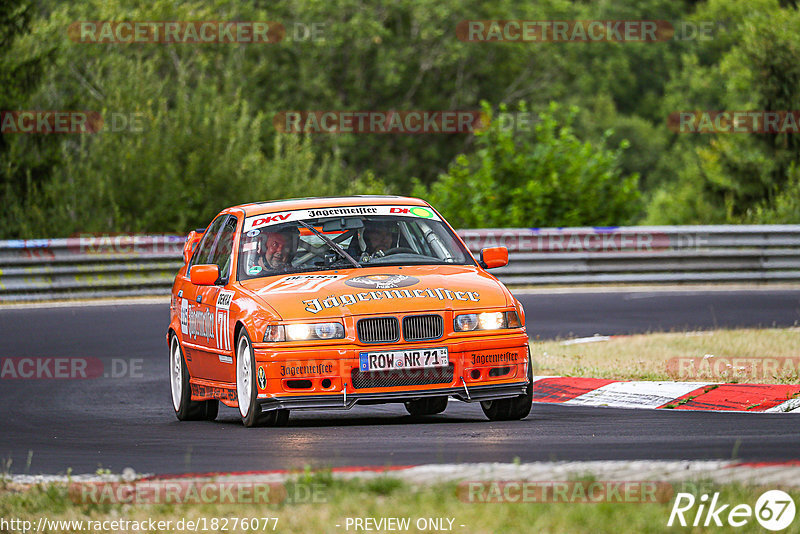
point(705, 396)
point(775, 474)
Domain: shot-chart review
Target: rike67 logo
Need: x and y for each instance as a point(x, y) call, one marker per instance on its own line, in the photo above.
point(774, 510)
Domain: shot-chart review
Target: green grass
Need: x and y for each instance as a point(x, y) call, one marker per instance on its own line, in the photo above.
point(385, 496)
point(647, 356)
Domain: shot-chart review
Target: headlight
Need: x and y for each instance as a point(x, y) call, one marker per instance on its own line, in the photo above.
point(486, 321)
point(328, 330)
point(464, 323)
point(304, 332)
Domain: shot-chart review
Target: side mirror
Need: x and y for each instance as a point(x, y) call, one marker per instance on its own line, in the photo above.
point(204, 275)
point(191, 242)
point(494, 257)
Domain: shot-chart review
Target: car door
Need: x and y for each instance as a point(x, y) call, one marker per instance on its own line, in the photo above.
point(219, 301)
point(198, 322)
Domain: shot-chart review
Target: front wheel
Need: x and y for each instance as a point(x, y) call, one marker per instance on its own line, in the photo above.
point(185, 408)
point(246, 391)
point(512, 409)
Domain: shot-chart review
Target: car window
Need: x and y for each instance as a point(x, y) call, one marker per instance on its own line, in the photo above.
point(202, 255)
point(221, 254)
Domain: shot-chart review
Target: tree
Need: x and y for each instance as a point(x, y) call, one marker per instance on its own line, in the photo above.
point(726, 178)
point(22, 67)
point(546, 178)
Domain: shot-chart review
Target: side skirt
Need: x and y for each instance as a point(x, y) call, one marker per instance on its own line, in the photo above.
point(202, 390)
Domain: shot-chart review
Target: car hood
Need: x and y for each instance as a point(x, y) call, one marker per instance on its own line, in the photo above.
point(379, 290)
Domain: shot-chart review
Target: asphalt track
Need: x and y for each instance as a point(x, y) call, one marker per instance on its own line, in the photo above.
point(50, 426)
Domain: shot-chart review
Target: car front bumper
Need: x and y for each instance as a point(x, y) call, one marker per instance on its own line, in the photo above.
point(345, 401)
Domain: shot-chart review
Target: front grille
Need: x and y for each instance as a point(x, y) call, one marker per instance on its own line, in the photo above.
point(422, 327)
point(378, 330)
point(401, 377)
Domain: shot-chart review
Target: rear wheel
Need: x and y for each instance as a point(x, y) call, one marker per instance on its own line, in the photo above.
point(426, 406)
point(185, 408)
point(246, 390)
point(512, 409)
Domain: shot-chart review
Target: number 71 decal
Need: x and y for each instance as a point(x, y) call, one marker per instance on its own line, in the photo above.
point(223, 330)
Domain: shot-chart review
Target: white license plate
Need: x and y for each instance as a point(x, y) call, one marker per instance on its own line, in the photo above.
point(403, 359)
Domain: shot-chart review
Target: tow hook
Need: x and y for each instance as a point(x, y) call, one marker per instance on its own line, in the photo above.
point(464, 382)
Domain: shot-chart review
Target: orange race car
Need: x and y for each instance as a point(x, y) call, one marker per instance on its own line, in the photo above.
point(331, 302)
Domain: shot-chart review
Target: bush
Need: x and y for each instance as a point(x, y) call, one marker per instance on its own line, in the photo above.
point(546, 178)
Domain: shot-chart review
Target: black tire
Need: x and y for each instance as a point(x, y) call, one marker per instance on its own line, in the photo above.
point(274, 418)
point(211, 411)
point(185, 408)
point(251, 412)
point(512, 409)
point(426, 406)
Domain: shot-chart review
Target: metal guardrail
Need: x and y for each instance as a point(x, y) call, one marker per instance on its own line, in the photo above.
point(107, 266)
point(88, 267)
point(645, 254)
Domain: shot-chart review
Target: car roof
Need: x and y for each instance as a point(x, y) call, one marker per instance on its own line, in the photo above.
point(272, 206)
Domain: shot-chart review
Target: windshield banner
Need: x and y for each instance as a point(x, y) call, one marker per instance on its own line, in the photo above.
point(270, 219)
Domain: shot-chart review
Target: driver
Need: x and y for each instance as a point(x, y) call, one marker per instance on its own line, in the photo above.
point(277, 250)
point(379, 237)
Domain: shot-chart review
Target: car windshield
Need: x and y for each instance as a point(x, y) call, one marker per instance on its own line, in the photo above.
point(371, 235)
